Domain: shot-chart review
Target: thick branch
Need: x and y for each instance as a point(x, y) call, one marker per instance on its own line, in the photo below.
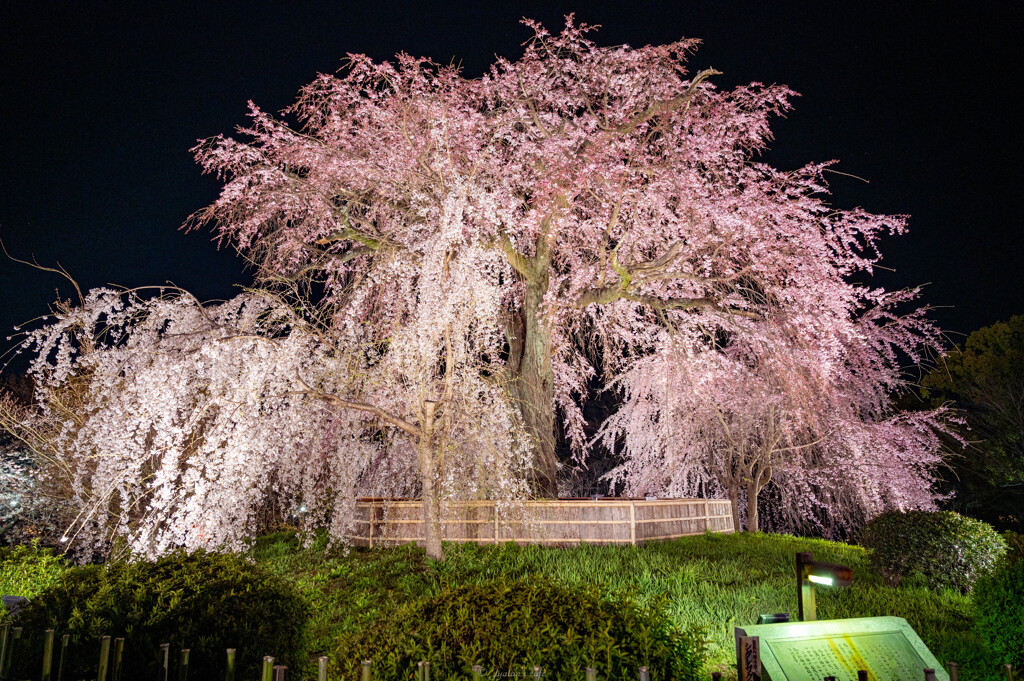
point(666, 105)
point(396, 421)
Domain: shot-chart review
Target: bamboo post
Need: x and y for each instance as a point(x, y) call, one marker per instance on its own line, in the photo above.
point(419, 671)
point(1008, 668)
point(644, 675)
point(426, 670)
point(591, 674)
point(367, 671)
point(118, 657)
point(632, 523)
point(183, 666)
point(101, 674)
point(63, 656)
point(12, 650)
point(165, 655)
point(537, 672)
point(477, 671)
point(47, 654)
point(321, 671)
point(5, 634)
point(268, 669)
point(229, 672)
point(279, 672)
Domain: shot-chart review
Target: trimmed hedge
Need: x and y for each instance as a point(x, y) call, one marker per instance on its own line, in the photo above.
point(949, 550)
point(207, 602)
point(26, 570)
point(510, 627)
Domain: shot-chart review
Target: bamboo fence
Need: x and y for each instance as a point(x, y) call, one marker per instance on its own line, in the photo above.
point(382, 522)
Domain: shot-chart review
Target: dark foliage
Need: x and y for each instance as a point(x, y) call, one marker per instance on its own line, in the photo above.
point(999, 610)
point(946, 548)
point(510, 627)
point(206, 602)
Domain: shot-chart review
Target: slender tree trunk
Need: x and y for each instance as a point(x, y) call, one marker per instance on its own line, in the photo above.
point(425, 456)
point(534, 381)
point(753, 491)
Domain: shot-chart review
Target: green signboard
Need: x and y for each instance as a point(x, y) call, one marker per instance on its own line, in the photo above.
point(887, 648)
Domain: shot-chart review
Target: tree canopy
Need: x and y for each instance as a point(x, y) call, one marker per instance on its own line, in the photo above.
point(462, 259)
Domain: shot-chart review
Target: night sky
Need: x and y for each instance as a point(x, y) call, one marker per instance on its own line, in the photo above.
point(99, 105)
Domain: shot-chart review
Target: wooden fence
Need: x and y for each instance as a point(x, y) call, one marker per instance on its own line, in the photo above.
point(610, 520)
point(110, 665)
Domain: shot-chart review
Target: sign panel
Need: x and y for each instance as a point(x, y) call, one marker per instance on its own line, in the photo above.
point(887, 648)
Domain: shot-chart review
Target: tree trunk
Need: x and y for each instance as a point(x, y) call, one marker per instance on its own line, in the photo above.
point(534, 381)
point(734, 503)
point(425, 456)
point(753, 522)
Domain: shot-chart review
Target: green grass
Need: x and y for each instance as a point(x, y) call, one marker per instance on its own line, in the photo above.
point(716, 581)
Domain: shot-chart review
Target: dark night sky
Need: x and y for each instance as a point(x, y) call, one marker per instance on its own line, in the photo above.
point(100, 104)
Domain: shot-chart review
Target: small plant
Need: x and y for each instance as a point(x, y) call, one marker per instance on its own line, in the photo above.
point(511, 627)
point(947, 549)
point(26, 570)
point(206, 602)
point(999, 611)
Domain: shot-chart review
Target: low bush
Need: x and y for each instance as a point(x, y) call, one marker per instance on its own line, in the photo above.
point(206, 602)
point(947, 549)
point(999, 611)
point(510, 627)
point(26, 570)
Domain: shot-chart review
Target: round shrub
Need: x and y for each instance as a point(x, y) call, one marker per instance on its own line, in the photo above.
point(510, 627)
point(206, 602)
point(999, 611)
point(946, 548)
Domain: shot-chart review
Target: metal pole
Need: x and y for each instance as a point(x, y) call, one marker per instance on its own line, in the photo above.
point(807, 612)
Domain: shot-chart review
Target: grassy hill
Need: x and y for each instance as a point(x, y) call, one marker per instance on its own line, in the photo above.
point(713, 581)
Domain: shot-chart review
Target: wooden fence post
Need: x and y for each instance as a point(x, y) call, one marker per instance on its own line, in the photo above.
point(229, 672)
point(12, 651)
point(367, 671)
point(183, 665)
point(929, 674)
point(118, 657)
point(47, 654)
point(591, 674)
point(321, 671)
point(104, 658)
point(63, 656)
point(5, 634)
point(644, 674)
point(954, 670)
point(165, 660)
point(279, 672)
point(748, 658)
